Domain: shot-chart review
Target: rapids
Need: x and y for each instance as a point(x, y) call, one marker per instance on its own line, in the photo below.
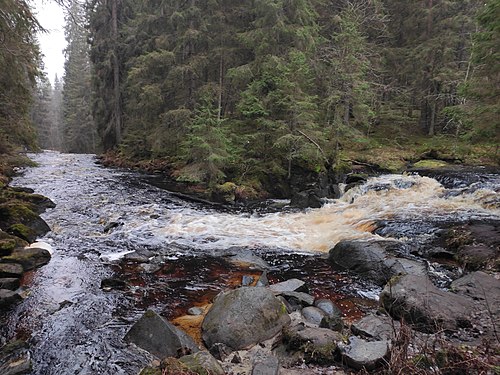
point(75, 327)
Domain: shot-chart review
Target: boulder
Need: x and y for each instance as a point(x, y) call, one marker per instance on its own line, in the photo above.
point(420, 303)
point(306, 199)
point(244, 317)
point(292, 285)
point(318, 345)
point(8, 297)
point(267, 366)
point(361, 354)
point(29, 257)
point(299, 298)
point(202, 363)
point(15, 358)
point(10, 283)
point(475, 257)
point(376, 327)
point(159, 337)
point(313, 314)
point(328, 307)
point(371, 260)
point(11, 270)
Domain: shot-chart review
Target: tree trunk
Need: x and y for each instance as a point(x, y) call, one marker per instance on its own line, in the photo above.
point(116, 75)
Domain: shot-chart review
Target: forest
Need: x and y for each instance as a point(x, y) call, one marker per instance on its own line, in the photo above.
point(257, 93)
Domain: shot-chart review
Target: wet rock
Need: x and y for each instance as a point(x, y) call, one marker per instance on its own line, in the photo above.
point(113, 284)
point(245, 258)
point(28, 258)
point(376, 327)
point(328, 307)
point(159, 337)
point(15, 358)
point(371, 260)
point(318, 345)
point(420, 303)
point(313, 314)
point(136, 257)
point(267, 366)
point(112, 225)
point(8, 297)
point(10, 283)
point(292, 285)
point(202, 363)
point(361, 354)
point(306, 199)
point(302, 299)
point(11, 270)
point(243, 317)
point(20, 220)
point(247, 280)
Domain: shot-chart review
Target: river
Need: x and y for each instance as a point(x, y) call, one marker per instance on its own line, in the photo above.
point(75, 327)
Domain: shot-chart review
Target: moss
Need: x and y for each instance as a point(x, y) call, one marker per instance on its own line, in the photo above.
point(151, 371)
point(16, 212)
point(7, 245)
point(430, 164)
point(21, 231)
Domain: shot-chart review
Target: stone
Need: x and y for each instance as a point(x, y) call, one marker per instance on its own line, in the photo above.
point(426, 307)
point(247, 280)
point(371, 260)
point(29, 258)
point(328, 307)
point(292, 285)
point(220, 351)
point(136, 257)
point(11, 270)
point(475, 257)
point(333, 322)
point(10, 283)
point(246, 258)
point(195, 311)
point(361, 354)
point(376, 327)
point(263, 281)
point(243, 317)
point(202, 363)
point(313, 314)
point(317, 344)
point(267, 366)
point(160, 337)
point(112, 283)
point(8, 297)
point(303, 299)
point(306, 199)
point(15, 358)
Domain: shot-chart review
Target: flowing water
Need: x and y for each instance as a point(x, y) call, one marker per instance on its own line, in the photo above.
point(74, 327)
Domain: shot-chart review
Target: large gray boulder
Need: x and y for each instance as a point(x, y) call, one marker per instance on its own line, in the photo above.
point(243, 317)
point(361, 354)
point(428, 308)
point(160, 337)
point(371, 259)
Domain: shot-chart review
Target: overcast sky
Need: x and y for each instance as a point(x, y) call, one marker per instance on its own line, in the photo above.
point(52, 43)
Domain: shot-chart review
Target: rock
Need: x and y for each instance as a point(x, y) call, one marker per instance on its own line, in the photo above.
point(8, 297)
point(306, 199)
point(485, 290)
point(11, 270)
point(243, 317)
point(420, 303)
point(151, 371)
point(334, 323)
point(317, 344)
point(475, 257)
point(195, 311)
point(263, 281)
point(202, 363)
point(300, 298)
point(6, 246)
point(111, 283)
point(292, 285)
point(112, 225)
point(220, 351)
point(247, 280)
point(328, 307)
point(361, 354)
point(15, 358)
point(313, 314)
point(20, 220)
point(236, 358)
point(376, 327)
point(159, 337)
point(289, 308)
point(29, 258)
point(268, 366)
point(246, 258)
point(136, 257)
point(10, 283)
point(371, 260)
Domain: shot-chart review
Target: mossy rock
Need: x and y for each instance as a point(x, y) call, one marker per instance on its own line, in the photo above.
point(151, 371)
point(23, 232)
point(202, 363)
point(7, 245)
point(224, 193)
point(4, 236)
point(16, 213)
point(29, 258)
point(430, 164)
